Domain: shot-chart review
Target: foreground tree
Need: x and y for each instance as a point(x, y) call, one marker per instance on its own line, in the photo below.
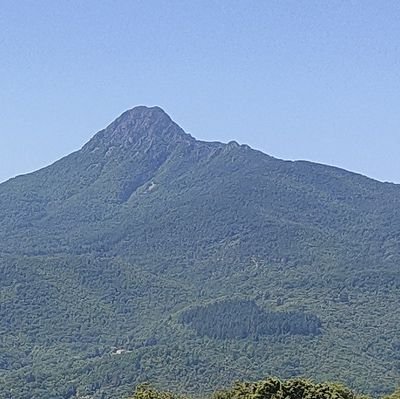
point(270, 388)
point(394, 395)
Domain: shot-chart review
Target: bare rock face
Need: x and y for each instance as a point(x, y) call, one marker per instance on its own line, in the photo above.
point(140, 126)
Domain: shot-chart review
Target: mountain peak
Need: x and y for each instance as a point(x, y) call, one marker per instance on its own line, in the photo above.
point(137, 125)
point(142, 112)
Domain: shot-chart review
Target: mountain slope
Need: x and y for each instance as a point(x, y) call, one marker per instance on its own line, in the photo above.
point(104, 253)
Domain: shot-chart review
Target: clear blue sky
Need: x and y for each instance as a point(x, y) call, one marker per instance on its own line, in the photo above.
point(316, 80)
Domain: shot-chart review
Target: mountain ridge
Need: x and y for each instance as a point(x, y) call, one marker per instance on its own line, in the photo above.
point(145, 115)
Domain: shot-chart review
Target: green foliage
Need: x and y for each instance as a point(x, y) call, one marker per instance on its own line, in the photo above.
point(269, 388)
point(394, 395)
point(274, 388)
point(146, 391)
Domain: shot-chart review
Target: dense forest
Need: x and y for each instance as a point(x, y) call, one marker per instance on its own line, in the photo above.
point(245, 319)
point(151, 256)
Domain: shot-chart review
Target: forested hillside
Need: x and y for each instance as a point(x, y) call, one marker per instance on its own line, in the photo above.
point(150, 256)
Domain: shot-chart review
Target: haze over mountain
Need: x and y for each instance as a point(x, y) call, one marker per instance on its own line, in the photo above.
point(150, 255)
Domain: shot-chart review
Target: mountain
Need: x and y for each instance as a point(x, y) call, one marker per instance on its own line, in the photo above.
point(148, 255)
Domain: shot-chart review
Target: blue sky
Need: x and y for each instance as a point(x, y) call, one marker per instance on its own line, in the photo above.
point(316, 80)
